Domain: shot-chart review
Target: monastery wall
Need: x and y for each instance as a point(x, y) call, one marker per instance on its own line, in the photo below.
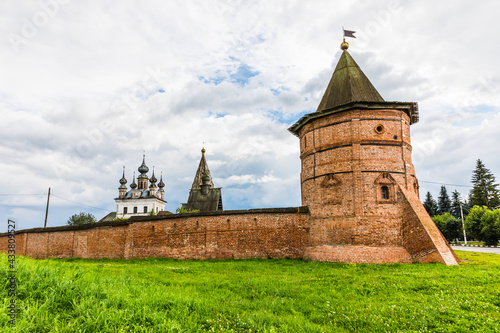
point(275, 232)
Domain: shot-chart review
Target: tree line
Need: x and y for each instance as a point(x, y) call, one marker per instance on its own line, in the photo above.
point(481, 212)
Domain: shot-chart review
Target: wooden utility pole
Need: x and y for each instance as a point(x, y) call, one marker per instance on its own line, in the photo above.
point(47, 209)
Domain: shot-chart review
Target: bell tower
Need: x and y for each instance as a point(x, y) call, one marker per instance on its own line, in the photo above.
point(358, 178)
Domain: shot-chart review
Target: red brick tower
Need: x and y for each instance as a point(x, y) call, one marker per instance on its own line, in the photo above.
point(358, 179)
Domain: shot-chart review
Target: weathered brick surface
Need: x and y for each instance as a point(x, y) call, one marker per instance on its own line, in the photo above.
point(223, 236)
point(359, 254)
point(422, 238)
point(347, 158)
point(266, 233)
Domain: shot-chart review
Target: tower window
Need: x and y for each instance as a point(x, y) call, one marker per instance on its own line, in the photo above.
point(125, 210)
point(135, 210)
point(145, 209)
point(379, 129)
point(385, 192)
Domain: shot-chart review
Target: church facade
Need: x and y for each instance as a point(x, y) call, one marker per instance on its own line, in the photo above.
point(143, 198)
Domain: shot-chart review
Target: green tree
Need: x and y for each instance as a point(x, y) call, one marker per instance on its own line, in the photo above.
point(473, 222)
point(444, 202)
point(455, 204)
point(182, 210)
point(430, 205)
point(485, 191)
point(81, 218)
point(490, 227)
point(449, 225)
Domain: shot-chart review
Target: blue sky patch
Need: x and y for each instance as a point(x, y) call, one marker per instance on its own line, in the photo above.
point(277, 91)
point(217, 114)
point(212, 80)
point(243, 75)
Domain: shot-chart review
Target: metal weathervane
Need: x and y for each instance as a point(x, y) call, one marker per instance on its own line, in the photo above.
point(348, 33)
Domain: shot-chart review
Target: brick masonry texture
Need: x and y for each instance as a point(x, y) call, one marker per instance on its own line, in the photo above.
point(347, 158)
point(276, 233)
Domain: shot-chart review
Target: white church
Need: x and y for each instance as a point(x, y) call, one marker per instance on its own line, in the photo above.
point(143, 198)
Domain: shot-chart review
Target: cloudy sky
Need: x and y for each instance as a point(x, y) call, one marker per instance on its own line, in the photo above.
point(88, 85)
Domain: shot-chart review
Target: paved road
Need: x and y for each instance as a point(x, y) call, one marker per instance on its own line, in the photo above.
point(495, 250)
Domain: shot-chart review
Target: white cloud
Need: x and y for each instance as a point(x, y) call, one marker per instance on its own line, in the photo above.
point(102, 80)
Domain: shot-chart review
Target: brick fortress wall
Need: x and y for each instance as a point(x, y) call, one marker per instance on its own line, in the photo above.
point(277, 233)
point(347, 158)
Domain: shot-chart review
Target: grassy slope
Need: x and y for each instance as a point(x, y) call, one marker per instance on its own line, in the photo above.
point(162, 295)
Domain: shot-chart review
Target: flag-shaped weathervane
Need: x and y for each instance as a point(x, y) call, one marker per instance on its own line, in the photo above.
point(349, 33)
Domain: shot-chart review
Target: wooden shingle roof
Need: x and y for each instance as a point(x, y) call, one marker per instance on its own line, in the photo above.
point(348, 84)
point(348, 89)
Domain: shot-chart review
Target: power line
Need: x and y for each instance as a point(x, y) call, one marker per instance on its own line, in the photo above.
point(44, 194)
point(78, 203)
point(424, 181)
point(16, 195)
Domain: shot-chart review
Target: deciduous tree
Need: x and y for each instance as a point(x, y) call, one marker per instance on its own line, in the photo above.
point(490, 227)
point(81, 218)
point(473, 222)
point(450, 226)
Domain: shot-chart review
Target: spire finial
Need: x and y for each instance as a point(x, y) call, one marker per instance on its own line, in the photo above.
point(133, 185)
point(344, 46)
point(161, 184)
point(347, 33)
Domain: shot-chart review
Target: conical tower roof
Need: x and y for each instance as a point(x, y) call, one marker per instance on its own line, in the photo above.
point(201, 172)
point(348, 84)
point(349, 88)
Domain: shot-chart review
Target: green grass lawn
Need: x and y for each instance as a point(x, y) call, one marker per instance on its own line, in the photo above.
point(164, 295)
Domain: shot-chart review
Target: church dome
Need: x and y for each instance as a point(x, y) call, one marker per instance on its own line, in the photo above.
point(123, 181)
point(143, 168)
point(133, 185)
point(153, 178)
point(161, 184)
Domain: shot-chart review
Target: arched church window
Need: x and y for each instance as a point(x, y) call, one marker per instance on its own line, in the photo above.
point(125, 209)
point(385, 192)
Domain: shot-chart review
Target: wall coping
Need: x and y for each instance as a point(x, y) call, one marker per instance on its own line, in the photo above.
point(135, 219)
